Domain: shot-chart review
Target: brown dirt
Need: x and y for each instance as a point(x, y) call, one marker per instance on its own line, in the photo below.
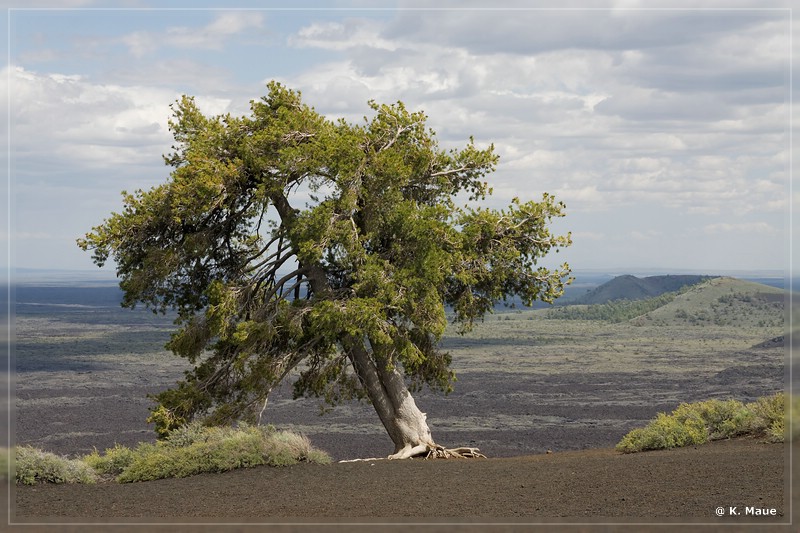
point(591, 486)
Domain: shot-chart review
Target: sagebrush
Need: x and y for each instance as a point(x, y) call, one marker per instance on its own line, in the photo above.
point(186, 451)
point(700, 422)
point(32, 466)
point(5, 463)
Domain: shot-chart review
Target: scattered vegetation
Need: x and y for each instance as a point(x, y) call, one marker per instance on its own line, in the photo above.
point(5, 464)
point(700, 422)
point(194, 449)
point(627, 287)
point(614, 311)
point(113, 462)
point(186, 451)
point(766, 307)
point(726, 302)
point(32, 466)
point(716, 302)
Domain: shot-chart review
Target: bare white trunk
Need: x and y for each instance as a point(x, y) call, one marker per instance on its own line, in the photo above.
point(406, 424)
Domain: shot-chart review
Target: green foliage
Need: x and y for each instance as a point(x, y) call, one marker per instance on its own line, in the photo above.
point(721, 419)
point(186, 451)
point(113, 462)
point(715, 301)
point(699, 422)
point(5, 463)
point(725, 302)
point(194, 449)
point(157, 462)
point(165, 420)
point(614, 311)
point(33, 466)
point(664, 432)
point(793, 419)
point(193, 432)
point(376, 254)
point(771, 416)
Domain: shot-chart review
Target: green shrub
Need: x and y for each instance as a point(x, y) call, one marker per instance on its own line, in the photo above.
point(793, 416)
point(155, 462)
point(776, 432)
point(664, 432)
point(771, 416)
point(5, 464)
point(286, 445)
point(722, 419)
point(699, 422)
point(185, 451)
point(35, 466)
point(195, 449)
point(188, 434)
point(114, 461)
point(319, 457)
point(164, 419)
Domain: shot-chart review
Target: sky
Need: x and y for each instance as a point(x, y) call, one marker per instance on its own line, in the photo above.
point(665, 128)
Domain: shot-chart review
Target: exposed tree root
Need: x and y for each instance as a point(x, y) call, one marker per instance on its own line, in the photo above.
point(440, 452)
point(430, 452)
point(412, 451)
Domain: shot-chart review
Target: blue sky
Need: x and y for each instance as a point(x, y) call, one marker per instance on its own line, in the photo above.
point(665, 131)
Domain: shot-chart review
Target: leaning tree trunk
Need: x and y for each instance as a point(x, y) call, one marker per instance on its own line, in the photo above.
point(385, 385)
point(386, 388)
point(405, 423)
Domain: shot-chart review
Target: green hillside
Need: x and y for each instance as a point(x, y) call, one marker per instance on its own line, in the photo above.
point(725, 302)
point(614, 311)
point(632, 288)
point(717, 301)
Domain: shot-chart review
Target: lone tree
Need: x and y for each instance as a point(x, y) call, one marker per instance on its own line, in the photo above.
point(287, 241)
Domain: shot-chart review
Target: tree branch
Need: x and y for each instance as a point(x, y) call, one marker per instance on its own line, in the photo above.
point(278, 285)
point(448, 172)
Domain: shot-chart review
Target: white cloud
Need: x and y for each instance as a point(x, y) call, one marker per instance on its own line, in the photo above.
point(585, 198)
point(215, 33)
point(351, 33)
point(213, 36)
point(68, 118)
point(623, 114)
point(587, 124)
point(757, 228)
point(140, 43)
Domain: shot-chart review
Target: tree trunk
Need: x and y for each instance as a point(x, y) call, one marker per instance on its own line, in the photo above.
point(384, 384)
point(386, 388)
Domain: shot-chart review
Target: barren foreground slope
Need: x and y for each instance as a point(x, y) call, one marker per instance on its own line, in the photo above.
point(580, 486)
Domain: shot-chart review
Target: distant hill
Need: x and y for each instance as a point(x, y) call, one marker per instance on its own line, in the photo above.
point(724, 301)
point(632, 288)
point(720, 301)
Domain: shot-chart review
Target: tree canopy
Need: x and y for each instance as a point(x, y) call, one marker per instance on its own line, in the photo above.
point(287, 241)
